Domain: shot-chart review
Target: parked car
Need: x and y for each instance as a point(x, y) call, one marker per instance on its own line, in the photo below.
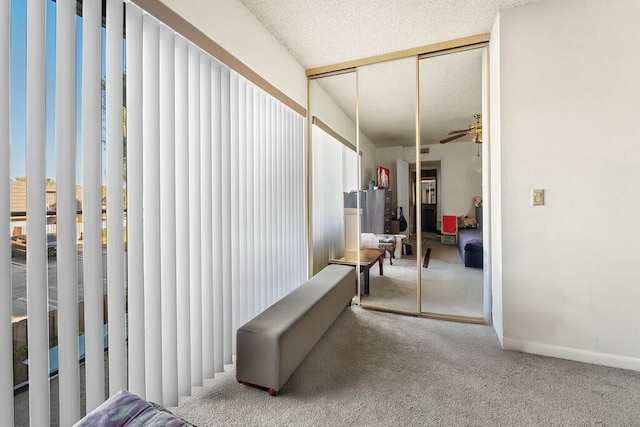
point(19, 245)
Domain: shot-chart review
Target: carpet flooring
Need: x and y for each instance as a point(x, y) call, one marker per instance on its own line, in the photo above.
point(379, 369)
point(448, 287)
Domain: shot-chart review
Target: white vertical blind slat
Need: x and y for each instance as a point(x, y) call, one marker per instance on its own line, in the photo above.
point(294, 233)
point(67, 257)
point(315, 218)
point(298, 212)
point(151, 208)
point(6, 339)
point(234, 223)
point(277, 171)
point(195, 216)
point(115, 197)
point(268, 230)
point(294, 210)
point(272, 147)
point(37, 288)
point(264, 170)
point(288, 226)
point(288, 221)
point(277, 147)
point(300, 237)
point(276, 201)
point(287, 197)
point(301, 171)
point(264, 279)
point(226, 212)
point(218, 249)
point(275, 125)
point(135, 235)
point(168, 218)
point(290, 201)
point(284, 239)
point(252, 209)
point(255, 196)
point(297, 198)
point(183, 297)
point(242, 208)
point(207, 214)
point(92, 204)
point(283, 205)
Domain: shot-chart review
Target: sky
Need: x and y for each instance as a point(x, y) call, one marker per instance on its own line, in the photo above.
point(18, 89)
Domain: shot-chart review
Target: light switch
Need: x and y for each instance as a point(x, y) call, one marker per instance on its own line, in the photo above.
point(537, 197)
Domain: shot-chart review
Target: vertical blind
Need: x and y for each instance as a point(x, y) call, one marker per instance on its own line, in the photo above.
point(92, 205)
point(65, 139)
point(37, 286)
point(204, 208)
point(333, 170)
point(6, 339)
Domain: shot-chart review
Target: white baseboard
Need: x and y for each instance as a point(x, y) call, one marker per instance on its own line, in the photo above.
point(612, 360)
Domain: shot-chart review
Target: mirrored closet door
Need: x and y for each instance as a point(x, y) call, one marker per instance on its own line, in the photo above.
point(412, 188)
point(387, 111)
point(451, 106)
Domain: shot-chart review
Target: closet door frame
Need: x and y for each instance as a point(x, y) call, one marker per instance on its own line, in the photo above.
point(478, 41)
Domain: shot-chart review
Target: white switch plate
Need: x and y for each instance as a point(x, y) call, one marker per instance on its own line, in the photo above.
point(537, 197)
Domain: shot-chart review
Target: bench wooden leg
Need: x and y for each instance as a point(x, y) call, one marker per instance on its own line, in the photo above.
point(272, 391)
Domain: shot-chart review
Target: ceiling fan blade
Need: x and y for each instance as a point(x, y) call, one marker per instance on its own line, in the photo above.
point(444, 141)
point(458, 131)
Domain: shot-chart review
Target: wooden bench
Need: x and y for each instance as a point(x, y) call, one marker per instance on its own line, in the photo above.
point(270, 347)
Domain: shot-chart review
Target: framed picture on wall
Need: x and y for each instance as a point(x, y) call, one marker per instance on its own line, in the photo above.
point(383, 177)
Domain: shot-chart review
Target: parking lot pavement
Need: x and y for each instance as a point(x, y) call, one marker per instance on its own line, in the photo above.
point(19, 282)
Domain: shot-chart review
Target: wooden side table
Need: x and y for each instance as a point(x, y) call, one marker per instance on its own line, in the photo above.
point(368, 258)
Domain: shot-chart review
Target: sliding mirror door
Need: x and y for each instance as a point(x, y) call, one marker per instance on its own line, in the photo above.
point(387, 110)
point(334, 170)
point(451, 177)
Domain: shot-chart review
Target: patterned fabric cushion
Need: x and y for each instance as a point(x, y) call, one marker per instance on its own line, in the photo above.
point(127, 409)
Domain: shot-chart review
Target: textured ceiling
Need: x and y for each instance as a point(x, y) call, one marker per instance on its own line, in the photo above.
point(319, 33)
point(450, 94)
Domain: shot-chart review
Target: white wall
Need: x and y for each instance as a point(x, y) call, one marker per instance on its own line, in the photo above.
point(230, 24)
point(494, 213)
point(569, 91)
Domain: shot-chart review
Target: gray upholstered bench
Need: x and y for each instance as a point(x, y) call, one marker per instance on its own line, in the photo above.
point(272, 345)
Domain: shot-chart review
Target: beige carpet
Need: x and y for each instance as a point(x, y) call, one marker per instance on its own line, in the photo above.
point(448, 287)
point(380, 369)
